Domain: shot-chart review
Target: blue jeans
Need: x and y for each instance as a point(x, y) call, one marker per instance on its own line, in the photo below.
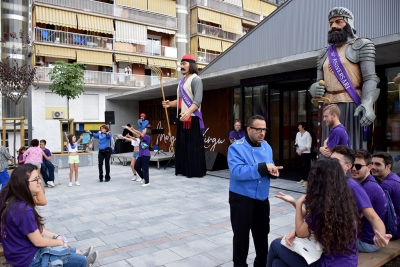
point(365, 247)
point(280, 256)
point(142, 167)
point(58, 256)
point(47, 165)
point(4, 177)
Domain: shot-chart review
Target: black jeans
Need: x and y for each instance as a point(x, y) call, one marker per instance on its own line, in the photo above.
point(47, 165)
point(305, 165)
point(249, 214)
point(142, 167)
point(104, 154)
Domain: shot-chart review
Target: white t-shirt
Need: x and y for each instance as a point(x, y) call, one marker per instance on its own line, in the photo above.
point(303, 141)
point(135, 142)
point(74, 149)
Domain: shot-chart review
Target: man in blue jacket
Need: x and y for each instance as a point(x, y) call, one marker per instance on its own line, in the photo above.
point(251, 166)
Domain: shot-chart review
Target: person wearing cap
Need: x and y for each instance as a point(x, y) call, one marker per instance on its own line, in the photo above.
point(142, 122)
point(190, 158)
point(347, 67)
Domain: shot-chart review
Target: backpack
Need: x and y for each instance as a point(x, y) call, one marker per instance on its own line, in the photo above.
point(391, 217)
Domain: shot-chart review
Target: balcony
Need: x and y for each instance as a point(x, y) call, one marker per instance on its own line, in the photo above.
point(224, 7)
point(213, 31)
point(69, 38)
point(145, 16)
point(204, 58)
point(109, 78)
point(85, 5)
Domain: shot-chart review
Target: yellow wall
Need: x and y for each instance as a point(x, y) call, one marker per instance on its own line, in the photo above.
point(92, 126)
point(49, 112)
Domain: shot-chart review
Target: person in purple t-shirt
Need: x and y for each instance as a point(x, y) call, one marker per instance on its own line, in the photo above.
point(382, 163)
point(337, 135)
point(142, 162)
point(237, 133)
point(361, 173)
point(47, 165)
point(25, 240)
point(335, 223)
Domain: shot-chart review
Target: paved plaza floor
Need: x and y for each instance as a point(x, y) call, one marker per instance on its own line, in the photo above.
point(176, 221)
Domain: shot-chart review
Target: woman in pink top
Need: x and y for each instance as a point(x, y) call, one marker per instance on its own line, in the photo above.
point(34, 154)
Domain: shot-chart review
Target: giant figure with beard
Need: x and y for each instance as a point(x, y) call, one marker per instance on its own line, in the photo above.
point(357, 57)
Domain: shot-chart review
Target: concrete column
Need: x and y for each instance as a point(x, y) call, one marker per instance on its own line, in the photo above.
point(183, 35)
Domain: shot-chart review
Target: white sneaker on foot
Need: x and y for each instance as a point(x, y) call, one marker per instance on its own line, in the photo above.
point(143, 185)
point(139, 180)
point(301, 181)
point(77, 183)
point(51, 184)
point(134, 177)
point(70, 184)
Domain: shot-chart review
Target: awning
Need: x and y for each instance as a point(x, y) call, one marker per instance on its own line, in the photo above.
point(249, 23)
point(170, 64)
point(155, 29)
point(253, 6)
point(130, 59)
point(210, 44)
point(231, 24)
point(55, 17)
point(96, 24)
point(55, 51)
point(226, 45)
point(127, 32)
point(208, 15)
point(267, 8)
point(194, 45)
point(201, 66)
point(94, 58)
point(140, 4)
point(156, 62)
point(166, 7)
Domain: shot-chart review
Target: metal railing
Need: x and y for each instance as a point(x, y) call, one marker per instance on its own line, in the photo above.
point(203, 57)
point(69, 38)
point(213, 31)
point(226, 8)
point(144, 16)
point(157, 50)
point(109, 78)
point(86, 5)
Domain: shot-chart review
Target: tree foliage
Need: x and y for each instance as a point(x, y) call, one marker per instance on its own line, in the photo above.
point(67, 79)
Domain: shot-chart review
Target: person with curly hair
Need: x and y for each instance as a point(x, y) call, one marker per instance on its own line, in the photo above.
point(335, 223)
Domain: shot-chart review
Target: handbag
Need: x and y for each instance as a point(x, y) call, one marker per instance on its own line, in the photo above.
point(309, 248)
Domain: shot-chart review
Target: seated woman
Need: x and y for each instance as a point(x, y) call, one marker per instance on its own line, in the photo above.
point(330, 214)
point(25, 240)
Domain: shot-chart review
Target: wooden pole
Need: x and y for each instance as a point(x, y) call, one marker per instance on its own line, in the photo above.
point(22, 131)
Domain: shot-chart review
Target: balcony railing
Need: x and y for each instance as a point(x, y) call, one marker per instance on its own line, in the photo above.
point(144, 16)
point(69, 38)
point(86, 5)
point(213, 31)
point(203, 57)
point(156, 50)
point(226, 8)
point(109, 78)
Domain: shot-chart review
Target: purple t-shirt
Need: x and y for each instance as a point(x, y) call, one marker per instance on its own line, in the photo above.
point(379, 203)
point(392, 184)
point(144, 142)
point(360, 196)
point(20, 221)
point(236, 135)
point(338, 136)
point(47, 152)
point(20, 157)
point(333, 260)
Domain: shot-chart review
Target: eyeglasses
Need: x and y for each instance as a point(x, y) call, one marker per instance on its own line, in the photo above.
point(259, 130)
point(358, 166)
point(37, 179)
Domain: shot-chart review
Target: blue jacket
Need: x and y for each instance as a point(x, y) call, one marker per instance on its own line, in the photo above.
point(104, 140)
point(142, 124)
point(249, 175)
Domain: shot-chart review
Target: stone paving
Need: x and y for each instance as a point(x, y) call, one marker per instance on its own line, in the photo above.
point(174, 222)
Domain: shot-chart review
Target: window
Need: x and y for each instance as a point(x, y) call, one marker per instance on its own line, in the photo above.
point(153, 45)
point(54, 100)
point(91, 107)
point(9, 110)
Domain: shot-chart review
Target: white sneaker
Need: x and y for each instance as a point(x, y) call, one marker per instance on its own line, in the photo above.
point(70, 184)
point(134, 177)
point(143, 185)
point(77, 183)
point(139, 180)
point(51, 184)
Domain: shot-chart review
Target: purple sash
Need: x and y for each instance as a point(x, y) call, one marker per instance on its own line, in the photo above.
point(343, 78)
point(188, 102)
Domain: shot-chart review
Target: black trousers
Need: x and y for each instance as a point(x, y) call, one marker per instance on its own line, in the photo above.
point(104, 155)
point(142, 167)
point(248, 214)
point(305, 165)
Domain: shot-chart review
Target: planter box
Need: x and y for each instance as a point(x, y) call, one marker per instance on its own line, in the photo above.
point(61, 160)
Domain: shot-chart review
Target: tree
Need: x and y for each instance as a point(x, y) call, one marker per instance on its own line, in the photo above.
point(67, 80)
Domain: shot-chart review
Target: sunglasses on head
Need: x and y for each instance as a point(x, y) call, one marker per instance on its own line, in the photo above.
point(358, 166)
